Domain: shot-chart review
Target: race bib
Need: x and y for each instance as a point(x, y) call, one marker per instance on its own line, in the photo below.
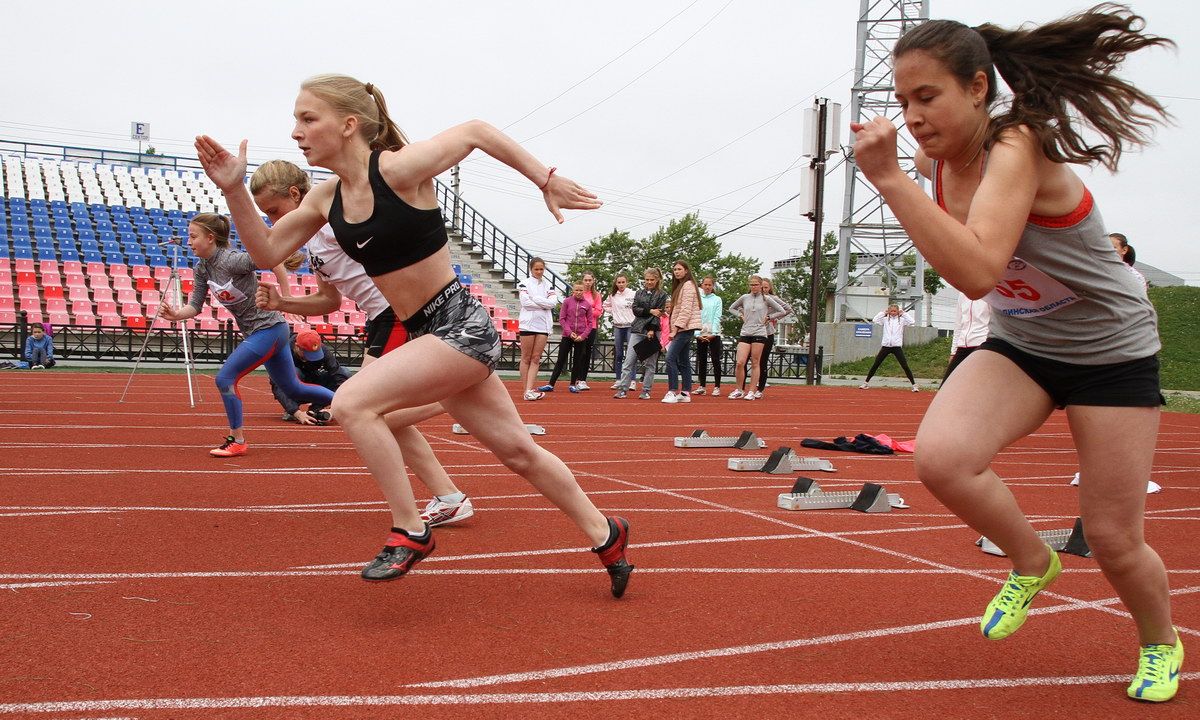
point(1025, 291)
point(226, 293)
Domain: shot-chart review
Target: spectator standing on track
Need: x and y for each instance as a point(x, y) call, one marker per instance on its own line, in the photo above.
point(232, 278)
point(708, 343)
point(893, 321)
point(278, 187)
point(1121, 244)
point(384, 213)
point(684, 321)
point(772, 326)
point(575, 317)
point(620, 306)
point(648, 304)
point(314, 366)
point(756, 310)
point(593, 296)
point(39, 348)
point(970, 330)
point(1009, 221)
point(538, 299)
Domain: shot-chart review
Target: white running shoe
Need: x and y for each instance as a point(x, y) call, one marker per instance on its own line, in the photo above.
point(683, 397)
point(716, 392)
point(865, 386)
point(916, 389)
point(582, 386)
point(698, 391)
point(670, 397)
point(437, 512)
point(752, 395)
point(736, 395)
point(615, 386)
point(534, 395)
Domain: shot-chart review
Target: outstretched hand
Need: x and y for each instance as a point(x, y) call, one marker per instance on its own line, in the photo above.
point(875, 147)
point(564, 194)
point(225, 170)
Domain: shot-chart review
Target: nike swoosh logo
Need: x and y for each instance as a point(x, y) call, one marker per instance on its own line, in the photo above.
point(363, 244)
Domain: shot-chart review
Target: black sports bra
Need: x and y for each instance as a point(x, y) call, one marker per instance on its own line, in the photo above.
point(395, 236)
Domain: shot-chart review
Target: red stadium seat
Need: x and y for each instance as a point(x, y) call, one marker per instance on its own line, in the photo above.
point(8, 317)
point(95, 268)
point(7, 304)
point(140, 271)
point(51, 280)
point(348, 305)
point(34, 317)
point(162, 272)
point(53, 291)
point(26, 277)
point(112, 320)
point(48, 266)
point(144, 283)
point(132, 310)
point(72, 267)
point(75, 280)
point(29, 292)
point(118, 270)
point(135, 322)
point(23, 264)
point(323, 328)
point(59, 319)
point(85, 320)
point(121, 282)
point(127, 295)
point(106, 308)
point(99, 294)
point(56, 305)
point(81, 307)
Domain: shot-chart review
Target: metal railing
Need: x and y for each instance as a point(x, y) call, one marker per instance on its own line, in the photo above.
point(493, 243)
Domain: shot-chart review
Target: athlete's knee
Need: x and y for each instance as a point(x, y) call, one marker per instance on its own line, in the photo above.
point(1114, 546)
point(225, 385)
point(938, 463)
point(520, 457)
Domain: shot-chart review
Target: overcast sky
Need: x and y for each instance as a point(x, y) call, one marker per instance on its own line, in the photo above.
point(661, 107)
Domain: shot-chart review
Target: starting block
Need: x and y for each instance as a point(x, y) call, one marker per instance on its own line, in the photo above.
point(1064, 541)
point(701, 439)
point(782, 461)
point(533, 429)
point(807, 495)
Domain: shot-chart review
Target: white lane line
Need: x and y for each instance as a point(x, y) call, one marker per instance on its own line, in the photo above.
point(751, 649)
point(62, 583)
point(213, 703)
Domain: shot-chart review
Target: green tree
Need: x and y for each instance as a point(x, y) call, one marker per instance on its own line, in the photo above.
point(686, 238)
point(794, 284)
point(933, 281)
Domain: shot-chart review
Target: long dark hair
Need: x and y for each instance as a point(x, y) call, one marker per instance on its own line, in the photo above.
point(1128, 254)
point(677, 284)
point(1060, 73)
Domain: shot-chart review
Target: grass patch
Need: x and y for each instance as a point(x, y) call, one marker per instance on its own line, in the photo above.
point(926, 361)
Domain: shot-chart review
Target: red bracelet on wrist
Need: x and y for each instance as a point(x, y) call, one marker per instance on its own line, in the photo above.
point(548, 175)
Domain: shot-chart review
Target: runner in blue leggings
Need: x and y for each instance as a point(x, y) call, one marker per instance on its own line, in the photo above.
point(233, 279)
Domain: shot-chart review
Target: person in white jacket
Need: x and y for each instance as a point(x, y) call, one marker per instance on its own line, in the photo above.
point(619, 306)
point(538, 299)
point(893, 322)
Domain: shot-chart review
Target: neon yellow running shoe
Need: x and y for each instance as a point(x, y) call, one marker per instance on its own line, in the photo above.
point(1157, 678)
point(1006, 612)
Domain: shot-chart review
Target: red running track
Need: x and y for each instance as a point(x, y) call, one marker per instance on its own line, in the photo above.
point(142, 579)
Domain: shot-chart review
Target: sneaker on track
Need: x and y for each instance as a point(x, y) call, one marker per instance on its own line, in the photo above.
point(716, 392)
point(534, 395)
point(698, 391)
point(620, 395)
point(574, 388)
point(546, 388)
point(670, 397)
point(916, 389)
point(1159, 667)
point(1006, 612)
point(615, 386)
point(645, 395)
point(398, 556)
point(865, 386)
point(581, 386)
point(683, 397)
point(230, 448)
point(736, 395)
point(438, 512)
point(612, 554)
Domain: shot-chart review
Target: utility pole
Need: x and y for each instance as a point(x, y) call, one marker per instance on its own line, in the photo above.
point(818, 214)
point(455, 179)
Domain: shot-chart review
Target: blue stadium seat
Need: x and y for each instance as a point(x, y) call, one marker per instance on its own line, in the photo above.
point(136, 259)
point(41, 222)
point(78, 208)
point(16, 203)
point(155, 212)
point(114, 258)
point(89, 246)
point(37, 203)
point(105, 226)
point(47, 253)
point(110, 246)
point(69, 255)
point(124, 226)
point(41, 231)
point(106, 235)
point(56, 204)
point(98, 208)
point(175, 214)
point(22, 253)
point(64, 238)
point(158, 261)
point(91, 256)
point(86, 234)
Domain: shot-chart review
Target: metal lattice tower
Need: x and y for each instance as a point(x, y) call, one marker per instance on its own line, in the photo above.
point(868, 228)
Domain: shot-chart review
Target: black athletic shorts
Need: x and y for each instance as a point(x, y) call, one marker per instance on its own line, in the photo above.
point(456, 318)
point(751, 339)
point(1133, 383)
point(526, 333)
point(384, 333)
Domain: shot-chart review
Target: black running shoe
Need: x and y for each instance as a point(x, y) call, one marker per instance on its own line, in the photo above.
point(612, 554)
point(398, 556)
